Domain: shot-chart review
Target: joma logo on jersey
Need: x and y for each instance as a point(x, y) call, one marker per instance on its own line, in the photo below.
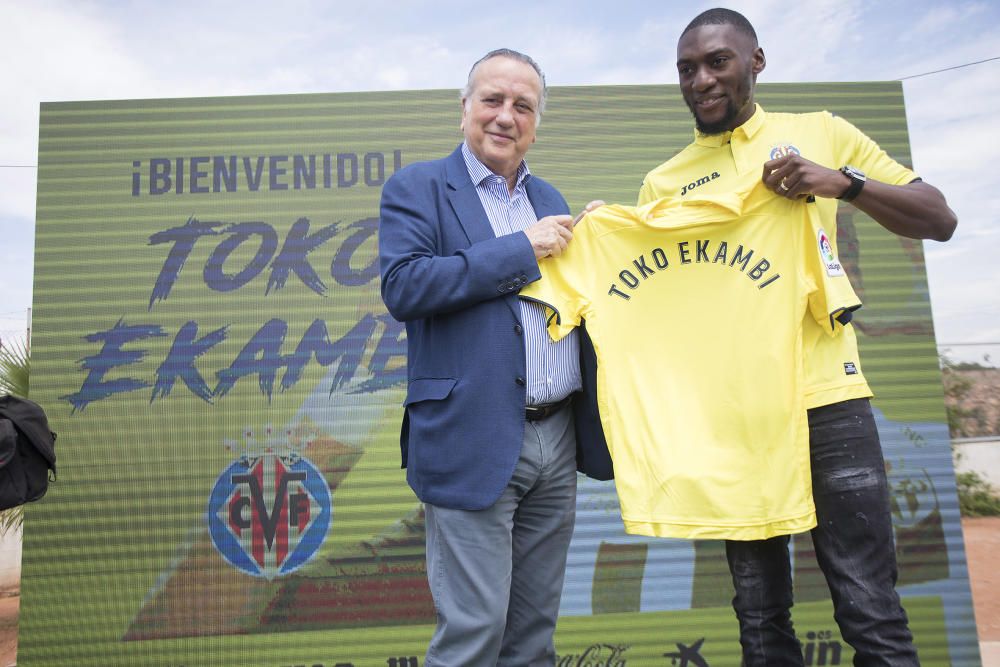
point(270, 510)
point(782, 150)
point(700, 182)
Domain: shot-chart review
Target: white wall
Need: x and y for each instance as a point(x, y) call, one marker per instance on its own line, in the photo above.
point(10, 561)
point(981, 455)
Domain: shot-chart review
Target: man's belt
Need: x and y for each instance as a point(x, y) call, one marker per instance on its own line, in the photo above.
point(534, 413)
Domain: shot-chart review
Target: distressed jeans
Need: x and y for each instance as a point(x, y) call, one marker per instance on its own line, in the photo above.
point(854, 548)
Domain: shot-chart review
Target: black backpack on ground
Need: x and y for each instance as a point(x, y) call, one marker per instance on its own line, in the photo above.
point(27, 452)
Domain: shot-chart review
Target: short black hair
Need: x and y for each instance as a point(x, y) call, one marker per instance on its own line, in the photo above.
point(721, 16)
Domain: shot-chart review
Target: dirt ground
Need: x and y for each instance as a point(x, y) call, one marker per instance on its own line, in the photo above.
point(8, 629)
point(982, 543)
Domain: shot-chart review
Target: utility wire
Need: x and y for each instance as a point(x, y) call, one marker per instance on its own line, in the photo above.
point(948, 69)
point(964, 344)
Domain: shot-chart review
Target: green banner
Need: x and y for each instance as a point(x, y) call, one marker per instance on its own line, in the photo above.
point(210, 345)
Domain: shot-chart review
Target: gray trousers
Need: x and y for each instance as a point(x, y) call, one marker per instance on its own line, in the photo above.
point(496, 574)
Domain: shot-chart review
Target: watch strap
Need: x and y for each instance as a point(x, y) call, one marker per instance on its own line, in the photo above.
point(857, 183)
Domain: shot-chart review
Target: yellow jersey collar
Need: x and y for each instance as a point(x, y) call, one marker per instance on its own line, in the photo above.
point(658, 212)
point(747, 130)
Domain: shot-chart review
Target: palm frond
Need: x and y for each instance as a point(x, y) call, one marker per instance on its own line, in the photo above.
point(11, 520)
point(15, 368)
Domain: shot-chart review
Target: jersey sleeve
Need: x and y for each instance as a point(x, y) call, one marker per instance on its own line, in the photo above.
point(860, 151)
point(560, 290)
point(646, 193)
point(832, 300)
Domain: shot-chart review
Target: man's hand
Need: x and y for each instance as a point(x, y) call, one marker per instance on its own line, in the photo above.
point(597, 203)
point(550, 235)
point(916, 210)
point(794, 176)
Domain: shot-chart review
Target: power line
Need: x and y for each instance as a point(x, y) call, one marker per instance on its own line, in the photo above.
point(964, 344)
point(19, 166)
point(948, 69)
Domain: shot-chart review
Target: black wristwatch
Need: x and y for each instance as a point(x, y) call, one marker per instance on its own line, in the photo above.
point(858, 179)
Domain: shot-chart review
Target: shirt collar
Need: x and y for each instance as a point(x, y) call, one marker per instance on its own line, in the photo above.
point(653, 212)
point(479, 172)
point(747, 130)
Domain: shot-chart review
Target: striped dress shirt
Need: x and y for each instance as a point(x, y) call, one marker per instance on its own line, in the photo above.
point(553, 368)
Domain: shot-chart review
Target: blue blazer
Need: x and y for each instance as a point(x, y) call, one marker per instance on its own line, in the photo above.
point(454, 283)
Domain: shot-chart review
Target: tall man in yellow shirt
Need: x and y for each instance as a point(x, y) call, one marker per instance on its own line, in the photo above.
point(823, 158)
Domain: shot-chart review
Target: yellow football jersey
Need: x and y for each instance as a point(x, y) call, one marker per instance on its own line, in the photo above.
point(695, 308)
point(716, 163)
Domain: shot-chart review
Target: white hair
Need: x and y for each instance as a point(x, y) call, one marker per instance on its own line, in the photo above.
point(466, 92)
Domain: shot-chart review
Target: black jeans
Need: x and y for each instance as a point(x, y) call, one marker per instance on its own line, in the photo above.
point(854, 548)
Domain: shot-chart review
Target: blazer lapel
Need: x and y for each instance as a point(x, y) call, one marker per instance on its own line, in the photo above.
point(540, 201)
point(465, 201)
point(469, 211)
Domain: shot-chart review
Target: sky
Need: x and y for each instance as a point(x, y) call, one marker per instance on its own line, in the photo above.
point(80, 50)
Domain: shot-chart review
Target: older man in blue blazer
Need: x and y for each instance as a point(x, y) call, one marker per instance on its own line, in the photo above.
point(488, 436)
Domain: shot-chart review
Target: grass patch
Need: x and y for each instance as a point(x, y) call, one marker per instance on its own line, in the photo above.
point(976, 497)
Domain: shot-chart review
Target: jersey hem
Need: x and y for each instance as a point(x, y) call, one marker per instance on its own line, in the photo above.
point(763, 531)
point(829, 395)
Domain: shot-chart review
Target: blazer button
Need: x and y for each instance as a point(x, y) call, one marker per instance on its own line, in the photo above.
point(518, 330)
point(520, 381)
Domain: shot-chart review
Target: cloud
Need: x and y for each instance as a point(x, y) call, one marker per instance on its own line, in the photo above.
point(942, 17)
point(803, 42)
point(945, 146)
point(76, 50)
point(16, 263)
point(17, 193)
point(59, 52)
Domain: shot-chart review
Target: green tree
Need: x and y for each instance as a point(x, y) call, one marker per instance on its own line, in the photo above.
point(963, 422)
point(976, 497)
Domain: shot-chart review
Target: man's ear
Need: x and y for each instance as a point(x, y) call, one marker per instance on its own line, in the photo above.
point(759, 62)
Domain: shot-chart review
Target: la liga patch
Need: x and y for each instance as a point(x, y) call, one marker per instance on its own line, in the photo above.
point(833, 266)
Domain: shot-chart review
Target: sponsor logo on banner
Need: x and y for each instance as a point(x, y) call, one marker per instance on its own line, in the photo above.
point(782, 150)
point(919, 531)
point(403, 661)
point(830, 261)
point(595, 655)
point(821, 648)
point(270, 509)
point(687, 656)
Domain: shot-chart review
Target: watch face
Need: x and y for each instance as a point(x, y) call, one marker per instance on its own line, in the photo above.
point(857, 182)
point(853, 172)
